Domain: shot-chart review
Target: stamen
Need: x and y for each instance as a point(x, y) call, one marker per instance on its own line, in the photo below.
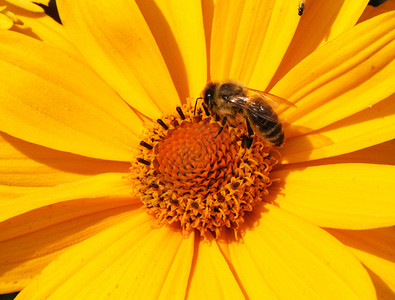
point(146, 145)
point(161, 123)
point(180, 112)
point(143, 161)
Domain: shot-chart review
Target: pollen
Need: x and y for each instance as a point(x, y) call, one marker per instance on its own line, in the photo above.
point(188, 175)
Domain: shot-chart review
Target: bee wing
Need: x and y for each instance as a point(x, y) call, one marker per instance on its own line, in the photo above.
point(273, 99)
point(256, 106)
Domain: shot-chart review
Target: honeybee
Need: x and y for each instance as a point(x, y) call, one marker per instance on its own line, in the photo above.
point(234, 104)
point(301, 7)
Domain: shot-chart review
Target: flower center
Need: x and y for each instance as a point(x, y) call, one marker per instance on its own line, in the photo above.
point(188, 174)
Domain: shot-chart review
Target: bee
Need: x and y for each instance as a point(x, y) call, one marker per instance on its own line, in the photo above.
point(236, 104)
point(301, 7)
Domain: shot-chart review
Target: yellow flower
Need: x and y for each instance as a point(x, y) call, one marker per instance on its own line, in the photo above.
point(71, 121)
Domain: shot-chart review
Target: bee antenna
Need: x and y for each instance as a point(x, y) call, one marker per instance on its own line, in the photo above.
point(194, 111)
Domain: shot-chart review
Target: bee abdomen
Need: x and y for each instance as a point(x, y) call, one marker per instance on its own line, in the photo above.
point(269, 130)
point(278, 139)
point(274, 131)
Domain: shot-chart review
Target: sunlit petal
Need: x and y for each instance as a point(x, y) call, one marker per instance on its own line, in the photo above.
point(283, 23)
point(372, 11)
point(375, 249)
point(378, 154)
point(28, 5)
point(127, 260)
point(55, 109)
point(246, 268)
point(117, 42)
point(346, 196)
point(249, 39)
point(110, 185)
point(369, 127)
point(330, 84)
point(5, 22)
point(23, 164)
point(292, 257)
point(322, 21)
point(33, 244)
point(211, 276)
point(43, 28)
point(177, 27)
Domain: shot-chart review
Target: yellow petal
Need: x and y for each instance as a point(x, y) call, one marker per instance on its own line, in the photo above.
point(129, 260)
point(248, 272)
point(5, 22)
point(372, 11)
point(367, 128)
point(375, 249)
point(8, 192)
point(212, 278)
point(23, 164)
point(116, 40)
point(178, 29)
point(250, 35)
point(378, 154)
point(43, 28)
point(61, 104)
point(347, 75)
point(293, 257)
point(25, 254)
point(40, 26)
point(345, 196)
point(322, 21)
point(109, 185)
point(27, 5)
point(176, 283)
point(283, 23)
point(44, 2)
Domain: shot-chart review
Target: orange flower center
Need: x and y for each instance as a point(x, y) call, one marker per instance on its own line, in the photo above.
point(187, 174)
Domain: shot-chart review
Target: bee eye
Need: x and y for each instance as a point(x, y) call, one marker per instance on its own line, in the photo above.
point(225, 97)
point(208, 95)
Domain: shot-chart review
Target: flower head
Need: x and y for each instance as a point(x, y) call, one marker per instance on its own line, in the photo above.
point(116, 186)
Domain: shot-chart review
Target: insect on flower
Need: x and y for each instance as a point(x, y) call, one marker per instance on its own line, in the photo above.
point(301, 7)
point(235, 104)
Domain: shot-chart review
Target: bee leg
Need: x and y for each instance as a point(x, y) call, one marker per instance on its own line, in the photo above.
point(249, 128)
point(194, 112)
point(248, 139)
point(246, 142)
point(223, 123)
point(206, 110)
